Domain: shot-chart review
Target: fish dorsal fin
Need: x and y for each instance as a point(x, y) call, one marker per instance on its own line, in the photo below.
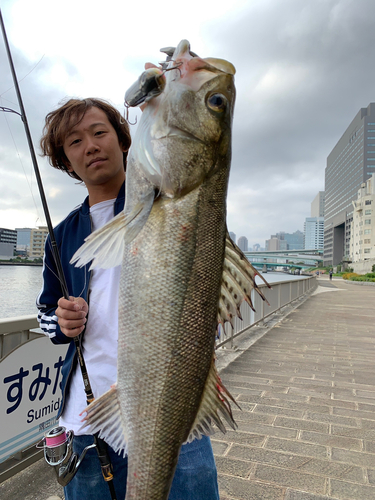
point(214, 406)
point(103, 415)
point(237, 282)
point(105, 246)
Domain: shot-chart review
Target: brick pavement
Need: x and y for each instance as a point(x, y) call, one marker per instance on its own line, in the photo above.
point(307, 392)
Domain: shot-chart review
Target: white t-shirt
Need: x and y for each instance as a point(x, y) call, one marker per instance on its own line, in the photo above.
point(101, 335)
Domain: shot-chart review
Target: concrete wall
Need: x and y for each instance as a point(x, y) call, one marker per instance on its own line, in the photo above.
point(6, 251)
point(362, 267)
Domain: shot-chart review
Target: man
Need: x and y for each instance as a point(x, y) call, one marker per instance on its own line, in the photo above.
point(89, 140)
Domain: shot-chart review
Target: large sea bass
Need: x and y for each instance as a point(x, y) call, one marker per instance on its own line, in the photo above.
point(181, 274)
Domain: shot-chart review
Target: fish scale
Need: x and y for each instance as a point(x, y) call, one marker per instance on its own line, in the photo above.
point(187, 339)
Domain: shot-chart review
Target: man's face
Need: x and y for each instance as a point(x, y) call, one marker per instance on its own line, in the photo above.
point(93, 150)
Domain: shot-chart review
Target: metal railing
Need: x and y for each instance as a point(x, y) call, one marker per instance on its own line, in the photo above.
point(280, 295)
point(16, 331)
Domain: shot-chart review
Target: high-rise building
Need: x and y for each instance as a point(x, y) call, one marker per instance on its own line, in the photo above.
point(362, 240)
point(294, 240)
point(317, 205)
point(314, 226)
point(272, 244)
point(243, 243)
point(286, 241)
point(350, 164)
point(232, 236)
point(314, 233)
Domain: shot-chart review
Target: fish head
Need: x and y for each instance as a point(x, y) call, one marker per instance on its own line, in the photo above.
point(186, 130)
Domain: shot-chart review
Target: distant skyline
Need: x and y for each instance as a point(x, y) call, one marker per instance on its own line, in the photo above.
point(303, 71)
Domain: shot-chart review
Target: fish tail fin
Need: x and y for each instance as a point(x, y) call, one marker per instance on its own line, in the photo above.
point(103, 416)
point(215, 405)
point(105, 247)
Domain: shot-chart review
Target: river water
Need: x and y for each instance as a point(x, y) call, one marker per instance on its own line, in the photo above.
point(20, 285)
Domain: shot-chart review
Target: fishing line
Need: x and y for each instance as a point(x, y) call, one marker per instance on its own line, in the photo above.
point(105, 463)
point(23, 168)
point(13, 86)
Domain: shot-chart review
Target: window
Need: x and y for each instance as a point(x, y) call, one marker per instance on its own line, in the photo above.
point(367, 221)
point(367, 250)
point(368, 202)
point(367, 231)
point(367, 241)
point(367, 212)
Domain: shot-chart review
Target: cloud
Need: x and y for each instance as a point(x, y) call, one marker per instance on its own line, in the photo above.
point(304, 69)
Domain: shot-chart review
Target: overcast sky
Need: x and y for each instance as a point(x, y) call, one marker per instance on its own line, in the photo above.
point(304, 69)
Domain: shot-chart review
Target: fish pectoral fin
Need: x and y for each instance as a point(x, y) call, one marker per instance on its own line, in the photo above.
point(214, 405)
point(103, 416)
point(237, 282)
point(105, 246)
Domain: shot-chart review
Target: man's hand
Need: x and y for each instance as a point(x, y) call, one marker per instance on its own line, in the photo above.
point(72, 315)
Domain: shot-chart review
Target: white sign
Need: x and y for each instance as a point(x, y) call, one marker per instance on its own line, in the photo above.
point(30, 393)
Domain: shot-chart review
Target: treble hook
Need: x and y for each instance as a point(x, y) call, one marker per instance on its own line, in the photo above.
point(127, 115)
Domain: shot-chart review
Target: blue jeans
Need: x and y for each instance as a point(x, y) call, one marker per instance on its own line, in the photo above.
point(195, 477)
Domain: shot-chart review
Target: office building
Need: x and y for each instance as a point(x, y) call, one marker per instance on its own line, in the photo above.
point(362, 240)
point(286, 241)
point(23, 240)
point(243, 243)
point(273, 244)
point(38, 239)
point(294, 240)
point(314, 226)
point(317, 205)
point(8, 236)
point(314, 233)
point(350, 164)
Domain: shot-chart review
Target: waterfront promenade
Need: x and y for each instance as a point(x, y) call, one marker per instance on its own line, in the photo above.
point(307, 392)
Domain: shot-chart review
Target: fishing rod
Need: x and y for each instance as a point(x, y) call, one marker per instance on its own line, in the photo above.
point(99, 443)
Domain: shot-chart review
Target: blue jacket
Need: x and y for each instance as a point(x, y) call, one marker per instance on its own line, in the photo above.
point(69, 235)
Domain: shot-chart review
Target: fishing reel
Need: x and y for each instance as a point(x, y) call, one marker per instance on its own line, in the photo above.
point(58, 452)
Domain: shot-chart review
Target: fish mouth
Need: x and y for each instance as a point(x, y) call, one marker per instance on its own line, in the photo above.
point(180, 133)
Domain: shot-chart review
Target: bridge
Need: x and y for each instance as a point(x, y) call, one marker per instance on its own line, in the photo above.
point(300, 259)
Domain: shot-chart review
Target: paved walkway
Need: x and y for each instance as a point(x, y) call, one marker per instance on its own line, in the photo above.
point(307, 392)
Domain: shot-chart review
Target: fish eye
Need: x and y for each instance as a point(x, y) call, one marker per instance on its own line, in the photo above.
point(217, 102)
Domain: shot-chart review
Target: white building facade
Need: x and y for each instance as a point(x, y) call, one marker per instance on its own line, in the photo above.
point(362, 240)
point(314, 233)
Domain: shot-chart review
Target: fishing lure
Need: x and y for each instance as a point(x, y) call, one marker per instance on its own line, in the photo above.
point(151, 83)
